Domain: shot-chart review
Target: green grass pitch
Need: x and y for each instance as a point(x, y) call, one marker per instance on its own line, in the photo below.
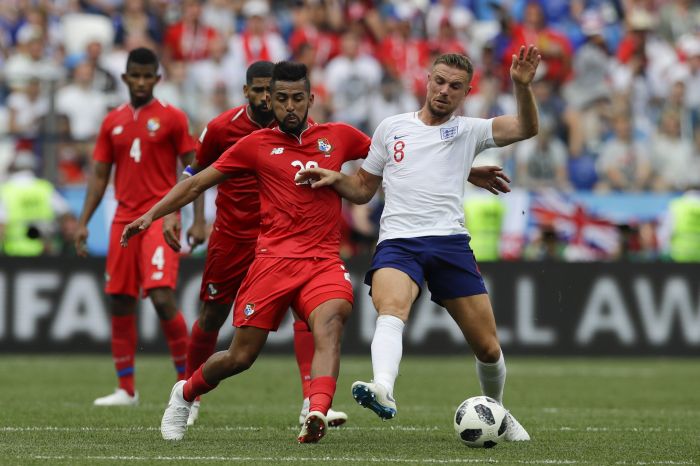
point(578, 412)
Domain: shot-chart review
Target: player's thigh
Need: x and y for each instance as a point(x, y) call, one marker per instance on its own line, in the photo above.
point(267, 291)
point(474, 316)
point(393, 292)
point(451, 269)
point(159, 264)
point(122, 267)
point(325, 280)
point(225, 267)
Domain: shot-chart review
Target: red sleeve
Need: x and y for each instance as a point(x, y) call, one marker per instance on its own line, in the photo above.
point(239, 158)
point(208, 149)
point(103, 146)
point(355, 142)
point(182, 139)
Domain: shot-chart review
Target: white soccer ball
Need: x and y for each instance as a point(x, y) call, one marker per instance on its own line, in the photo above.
point(480, 422)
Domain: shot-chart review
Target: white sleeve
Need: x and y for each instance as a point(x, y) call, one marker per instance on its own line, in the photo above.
point(483, 133)
point(378, 155)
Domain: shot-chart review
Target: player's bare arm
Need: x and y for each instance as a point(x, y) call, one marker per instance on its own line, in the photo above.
point(196, 234)
point(358, 188)
point(508, 129)
point(182, 194)
point(491, 178)
point(97, 184)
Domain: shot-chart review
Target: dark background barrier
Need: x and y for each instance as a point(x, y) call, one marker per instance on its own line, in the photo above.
point(57, 305)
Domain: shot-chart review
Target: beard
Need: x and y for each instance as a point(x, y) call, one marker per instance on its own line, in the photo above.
point(262, 113)
point(295, 128)
point(436, 112)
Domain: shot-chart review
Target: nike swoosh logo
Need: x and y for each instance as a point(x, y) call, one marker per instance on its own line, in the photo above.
point(399, 137)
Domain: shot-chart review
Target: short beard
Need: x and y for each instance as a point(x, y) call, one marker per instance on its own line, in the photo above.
point(437, 113)
point(295, 129)
point(264, 117)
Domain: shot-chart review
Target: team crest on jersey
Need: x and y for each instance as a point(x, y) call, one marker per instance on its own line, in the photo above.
point(448, 133)
point(152, 125)
point(325, 146)
point(249, 309)
point(117, 130)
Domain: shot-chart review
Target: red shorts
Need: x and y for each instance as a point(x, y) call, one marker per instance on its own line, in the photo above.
point(226, 265)
point(146, 263)
point(275, 283)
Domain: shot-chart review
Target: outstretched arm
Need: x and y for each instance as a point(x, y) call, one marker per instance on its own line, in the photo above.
point(508, 129)
point(358, 188)
point(182, 194)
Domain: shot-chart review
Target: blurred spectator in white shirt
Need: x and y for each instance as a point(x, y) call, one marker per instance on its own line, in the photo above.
point(84, 106)
point(29, 61)
point(390, 99)
point(27, 106)
point(541, 161)
point(624, 163)
point(672, 157)
point(221, 68)
point(258, 41)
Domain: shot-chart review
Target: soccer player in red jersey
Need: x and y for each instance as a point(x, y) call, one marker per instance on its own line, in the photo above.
point(232, 242)
point(143, 139)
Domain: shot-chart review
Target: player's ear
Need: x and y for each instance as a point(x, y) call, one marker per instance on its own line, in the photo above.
point(245, 91)
point(469, 89)
point(123, 76)
point(311, 100)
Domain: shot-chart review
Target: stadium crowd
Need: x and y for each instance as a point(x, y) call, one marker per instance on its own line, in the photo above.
point(618, 90)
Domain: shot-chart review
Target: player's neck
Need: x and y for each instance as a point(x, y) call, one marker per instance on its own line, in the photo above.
point(297, 132)
point(430, 119)
point(262, 120)
point(136, 104)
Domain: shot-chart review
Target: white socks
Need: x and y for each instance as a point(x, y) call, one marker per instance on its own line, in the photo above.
point(387, 348)
point(492, 378)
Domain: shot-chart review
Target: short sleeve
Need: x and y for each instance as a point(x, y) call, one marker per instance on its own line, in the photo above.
point(208, 149)
point(482, 131)
point(239, 158)
point(378, 155)
point(355, 141)
point(182, 138)
point(103, 151)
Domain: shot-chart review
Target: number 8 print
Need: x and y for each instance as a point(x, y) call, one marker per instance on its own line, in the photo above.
point(398, 150)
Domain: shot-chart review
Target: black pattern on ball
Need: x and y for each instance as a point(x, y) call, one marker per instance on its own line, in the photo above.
point(485, 414)
point(470, 435)
point(460, 412)
point(503, 427)
point(489, 444)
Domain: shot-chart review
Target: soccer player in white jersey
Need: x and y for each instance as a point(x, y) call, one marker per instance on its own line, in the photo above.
point(422, 159)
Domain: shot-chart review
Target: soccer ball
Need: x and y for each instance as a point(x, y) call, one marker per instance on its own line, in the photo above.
point(480, 421)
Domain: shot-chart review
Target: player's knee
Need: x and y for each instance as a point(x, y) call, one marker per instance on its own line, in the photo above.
point(212, 317)
point(238, 362)
point(164, 303)
point(488, 353)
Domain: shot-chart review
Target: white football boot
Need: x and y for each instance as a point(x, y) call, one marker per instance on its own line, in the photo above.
point(120, 397)
point(194, 413)
point(515, 432)
point(334, 418)
point(376, 398)
point(174, 422)
point(314, 428)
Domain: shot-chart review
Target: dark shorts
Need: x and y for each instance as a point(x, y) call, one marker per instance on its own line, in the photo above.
point(446, 262)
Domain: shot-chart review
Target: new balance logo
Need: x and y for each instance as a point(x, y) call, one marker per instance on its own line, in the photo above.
point(277, 151)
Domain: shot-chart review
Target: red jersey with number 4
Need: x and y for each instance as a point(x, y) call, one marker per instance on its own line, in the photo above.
point(144, 145)
point(296, 221)
point(237, 200)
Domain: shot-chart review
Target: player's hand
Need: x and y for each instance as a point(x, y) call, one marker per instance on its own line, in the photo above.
point(134, 228)
point(524, 65)
point(490, 178)
point(317, 177)
point(80, 237)
point(196, 234)
point(171, 231)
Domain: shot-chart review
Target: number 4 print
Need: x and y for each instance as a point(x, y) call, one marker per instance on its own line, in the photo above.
point(135, 151)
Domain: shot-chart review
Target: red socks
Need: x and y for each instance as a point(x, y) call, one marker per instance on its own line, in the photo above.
point(202, 345)
point(304, 350)
point(175, 331)
point(321, 393)
point(123, 350)
point(196, 386)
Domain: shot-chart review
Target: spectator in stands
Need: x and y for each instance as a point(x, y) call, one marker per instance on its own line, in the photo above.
point(188, 39)
point(315, 24)
point(29, 61)
point(135, 19)
point(672, 157)
point(102, 80)
point(624, 163)
point(27, 106)
point(258, 41)
point(351, 79)
point(219, 69)
point(457, 16)
point(220, 15)
point(542, 161)
point(30, 210)
point(391, 98)
point(82, 104)
point(677, 18)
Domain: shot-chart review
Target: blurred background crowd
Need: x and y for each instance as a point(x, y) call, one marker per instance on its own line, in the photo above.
point(618, 93)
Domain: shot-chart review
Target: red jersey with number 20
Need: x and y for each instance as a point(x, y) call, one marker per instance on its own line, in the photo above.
point(237, 200)
point(296, 221)
point(144, 145)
